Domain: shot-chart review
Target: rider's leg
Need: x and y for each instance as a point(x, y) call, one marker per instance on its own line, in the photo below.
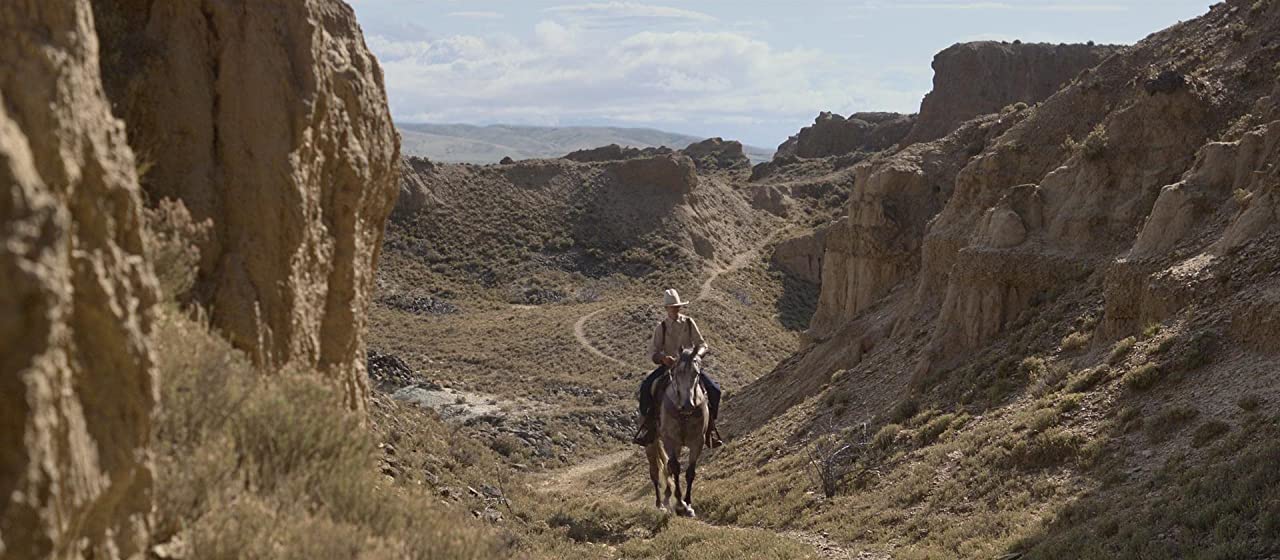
point(647, 429)
point(713, 406)
point(646, 390)
point(713, 395)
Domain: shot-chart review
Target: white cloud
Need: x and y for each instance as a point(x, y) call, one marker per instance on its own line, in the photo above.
point(566, 74)
point(611, 14)
point(1052, 6)
point(476, 15)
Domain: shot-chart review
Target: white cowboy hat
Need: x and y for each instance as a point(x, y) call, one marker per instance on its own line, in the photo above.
point(671, 298)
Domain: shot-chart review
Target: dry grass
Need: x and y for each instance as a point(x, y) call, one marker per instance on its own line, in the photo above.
point(254, 464)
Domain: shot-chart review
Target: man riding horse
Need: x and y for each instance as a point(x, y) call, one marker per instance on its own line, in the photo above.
point(672, 334)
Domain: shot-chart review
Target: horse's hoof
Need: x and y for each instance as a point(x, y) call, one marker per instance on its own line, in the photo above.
point(689, 511)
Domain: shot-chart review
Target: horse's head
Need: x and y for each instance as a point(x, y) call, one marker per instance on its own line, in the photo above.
point(684, 381)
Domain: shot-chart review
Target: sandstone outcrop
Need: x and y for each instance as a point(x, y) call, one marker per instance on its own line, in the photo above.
point(77, 385)
point(971, 79)
point(717, 153)
point(894, 196)
point(667, 174)
point(834, 135)
point(614, 152)
point(270, 119)
point(802, 255)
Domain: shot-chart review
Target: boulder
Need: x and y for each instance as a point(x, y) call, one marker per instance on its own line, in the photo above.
point(77, 382)
point(270, 119)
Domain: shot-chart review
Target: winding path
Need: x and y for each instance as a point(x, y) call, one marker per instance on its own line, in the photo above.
point(580, 333)
point(739, 261)
point(571, 477)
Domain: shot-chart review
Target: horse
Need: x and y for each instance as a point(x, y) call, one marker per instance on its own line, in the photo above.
point(682, 422)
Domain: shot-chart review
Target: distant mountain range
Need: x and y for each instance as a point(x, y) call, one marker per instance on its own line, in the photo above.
point(489, 144)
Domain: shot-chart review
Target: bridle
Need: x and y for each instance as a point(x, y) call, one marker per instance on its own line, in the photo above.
point(688, 364)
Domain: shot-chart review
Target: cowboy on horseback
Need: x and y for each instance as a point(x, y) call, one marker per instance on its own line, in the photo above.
point(672, 334)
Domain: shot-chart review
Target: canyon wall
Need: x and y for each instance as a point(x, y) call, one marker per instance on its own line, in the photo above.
point(270, 119)
point(971, 79)
point(77, 385)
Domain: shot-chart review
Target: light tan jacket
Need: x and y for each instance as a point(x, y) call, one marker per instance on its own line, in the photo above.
point(669, 338)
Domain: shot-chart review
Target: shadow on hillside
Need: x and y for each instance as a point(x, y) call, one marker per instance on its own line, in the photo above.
point(798, 302)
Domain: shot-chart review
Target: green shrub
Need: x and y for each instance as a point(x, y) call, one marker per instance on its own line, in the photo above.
point(1032, 367)
point(1120, 350)
point(886, 436)
point(934, 428)
point(1075, 341)
point(1209, 431)
point(1199, 350)
point(1093, 145)
point(1151, 330)
point(1049, 448)
point(172, 239)
point(1142, 377)
point(1088, 378)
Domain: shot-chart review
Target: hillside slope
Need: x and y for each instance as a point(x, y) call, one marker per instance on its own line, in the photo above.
point(464, 143)
point(1049, 333)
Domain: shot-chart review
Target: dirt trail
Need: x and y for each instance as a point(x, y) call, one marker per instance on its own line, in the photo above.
point(571, 477)
point(568, 476)
point(580, 333)
point(739, 261)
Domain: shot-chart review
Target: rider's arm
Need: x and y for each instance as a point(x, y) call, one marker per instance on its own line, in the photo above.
point(697, 340)
point(655, 347)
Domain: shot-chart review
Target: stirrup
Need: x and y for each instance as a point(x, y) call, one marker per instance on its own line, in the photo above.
point(713, 439)
point(646, 433)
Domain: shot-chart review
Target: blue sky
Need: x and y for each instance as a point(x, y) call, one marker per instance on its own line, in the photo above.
point(755, 71)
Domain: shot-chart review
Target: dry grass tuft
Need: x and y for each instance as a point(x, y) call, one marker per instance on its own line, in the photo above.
point(253, 464)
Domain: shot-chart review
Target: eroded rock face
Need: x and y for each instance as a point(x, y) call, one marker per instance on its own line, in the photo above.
point(717, 153)
point(894, 196)
point(270, 119)
point(614, 152)
point(660, 175)
point(802, 255)
point(1165, 174)
point(77, 386)
point(834, 135)
point(972, 79)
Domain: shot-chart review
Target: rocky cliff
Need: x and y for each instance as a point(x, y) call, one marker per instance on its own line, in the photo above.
point(77, 384)
point(1144, 175)
point(270, 119)
point(834, 135)
point(971, 79)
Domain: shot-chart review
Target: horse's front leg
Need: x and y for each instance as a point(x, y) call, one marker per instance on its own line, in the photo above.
point(673, 463)
point(694, 452)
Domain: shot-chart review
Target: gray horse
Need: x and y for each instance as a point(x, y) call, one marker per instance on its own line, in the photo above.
point(681, 423)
